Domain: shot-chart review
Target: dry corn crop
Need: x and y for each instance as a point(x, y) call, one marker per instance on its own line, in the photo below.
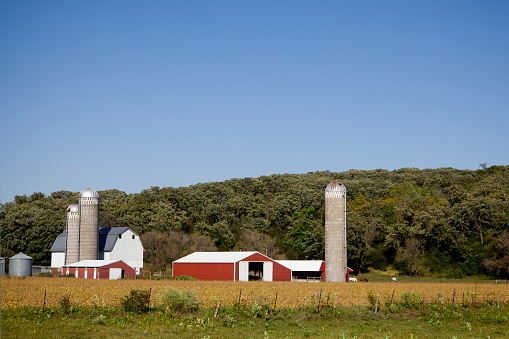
point(30, 291)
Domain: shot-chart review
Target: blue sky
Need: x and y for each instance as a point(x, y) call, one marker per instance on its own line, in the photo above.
point(131, 94)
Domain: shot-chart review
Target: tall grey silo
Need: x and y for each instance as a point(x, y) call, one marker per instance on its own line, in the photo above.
point(335, 232)
point(89, 225)
point(72, 241)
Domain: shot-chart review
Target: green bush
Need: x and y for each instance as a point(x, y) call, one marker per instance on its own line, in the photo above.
point(65, 303)
point(136, 301)
point(411, 300)
point(185, 277)
point(173, 300)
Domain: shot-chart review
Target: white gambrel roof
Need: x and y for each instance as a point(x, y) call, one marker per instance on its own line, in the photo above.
point(301, 265)
point(92, 263)
point(215, 257)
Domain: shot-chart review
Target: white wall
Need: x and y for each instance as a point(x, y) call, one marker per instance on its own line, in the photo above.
point(243, 270)
point(115, 273)
point(57, 259)
point(129, 250)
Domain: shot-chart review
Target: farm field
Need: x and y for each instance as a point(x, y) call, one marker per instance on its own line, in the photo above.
point(266, 310)
point(36, 291)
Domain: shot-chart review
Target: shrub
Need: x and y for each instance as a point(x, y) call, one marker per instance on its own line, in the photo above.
point(65, 303)
point(136, 301)
point(185, 277)
point(411, 300)
point(173, 300)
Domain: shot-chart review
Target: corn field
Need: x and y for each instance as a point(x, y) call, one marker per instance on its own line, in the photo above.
point(44, 291)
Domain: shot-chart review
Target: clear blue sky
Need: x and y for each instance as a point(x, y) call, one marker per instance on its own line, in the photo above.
point(133, 94)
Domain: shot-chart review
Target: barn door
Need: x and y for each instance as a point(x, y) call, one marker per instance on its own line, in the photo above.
point(115, 273)
point(267, 270)
point(243, 270)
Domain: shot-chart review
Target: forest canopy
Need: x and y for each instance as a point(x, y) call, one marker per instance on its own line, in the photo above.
point(442, 221)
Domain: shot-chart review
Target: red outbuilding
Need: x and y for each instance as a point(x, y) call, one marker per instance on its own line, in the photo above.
point(231, 266)
point(100, 269)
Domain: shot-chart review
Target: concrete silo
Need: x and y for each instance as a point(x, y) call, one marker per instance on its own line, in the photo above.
point(335, 232)
point(20, 265)
point(72, 243)
point(88, 225)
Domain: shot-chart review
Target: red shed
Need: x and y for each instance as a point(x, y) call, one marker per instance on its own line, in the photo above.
point(232, 266)
point(100, 269)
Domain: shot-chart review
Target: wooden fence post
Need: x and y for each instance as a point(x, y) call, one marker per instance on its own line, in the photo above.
point(217, 308)
point(377, 297)
point(275, 301)
point(319, 301)
point(44, 302)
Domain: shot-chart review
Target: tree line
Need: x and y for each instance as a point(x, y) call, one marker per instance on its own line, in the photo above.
point(445, 221)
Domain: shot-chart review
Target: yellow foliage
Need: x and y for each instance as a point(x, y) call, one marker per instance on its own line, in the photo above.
point(19, 292)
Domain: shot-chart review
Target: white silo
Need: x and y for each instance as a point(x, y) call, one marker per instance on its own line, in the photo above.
point(89, 225)
point(72, 243)
point(335, 232)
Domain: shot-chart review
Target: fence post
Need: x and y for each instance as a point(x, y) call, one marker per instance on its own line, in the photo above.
point(275, 301)
point(319, 301)
point(240, 294)
point(44, 302)
point(377, 297)
point(327, 308)
point(453, 295)
point(217, 308)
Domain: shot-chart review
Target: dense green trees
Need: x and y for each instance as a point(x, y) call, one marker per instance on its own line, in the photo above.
point(432, 221)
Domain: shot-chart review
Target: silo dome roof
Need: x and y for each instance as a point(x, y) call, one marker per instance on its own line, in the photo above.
point(335, 186)
point(73, 208)
point(20, 255)
point(89, 193)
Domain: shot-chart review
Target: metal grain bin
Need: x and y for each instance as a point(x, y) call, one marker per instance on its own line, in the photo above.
point(20, 265)
point(2, 266)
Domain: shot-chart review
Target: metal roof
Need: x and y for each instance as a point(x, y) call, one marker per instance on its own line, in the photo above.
point(89, 193)
point(73, 208)
point(301, 265)
point(216, 257)
point(20, 256)
point(92, 263)
point(107, 238)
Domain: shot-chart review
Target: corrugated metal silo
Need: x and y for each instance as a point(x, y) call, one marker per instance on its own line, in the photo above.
point(335, 232)
point(20, 265)
point(72, 244)
point(89, 225)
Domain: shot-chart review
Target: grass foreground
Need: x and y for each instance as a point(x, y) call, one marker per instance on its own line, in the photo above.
point(256, 321)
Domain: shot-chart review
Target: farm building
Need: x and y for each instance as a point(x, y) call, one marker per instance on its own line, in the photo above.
point(231, 266)
point(115, 243)
point(305, 270)
point(246, 266)
point(100, 269)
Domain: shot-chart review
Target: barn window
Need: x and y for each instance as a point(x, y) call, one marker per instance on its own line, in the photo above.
point(120, 236)
point(133, 236)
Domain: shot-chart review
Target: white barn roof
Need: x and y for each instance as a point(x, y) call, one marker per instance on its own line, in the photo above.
point(215, 257)
point(92, 263)
point(301, 265)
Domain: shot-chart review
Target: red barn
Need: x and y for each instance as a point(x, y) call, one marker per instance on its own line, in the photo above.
point(232, 266)
point(100, 269)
